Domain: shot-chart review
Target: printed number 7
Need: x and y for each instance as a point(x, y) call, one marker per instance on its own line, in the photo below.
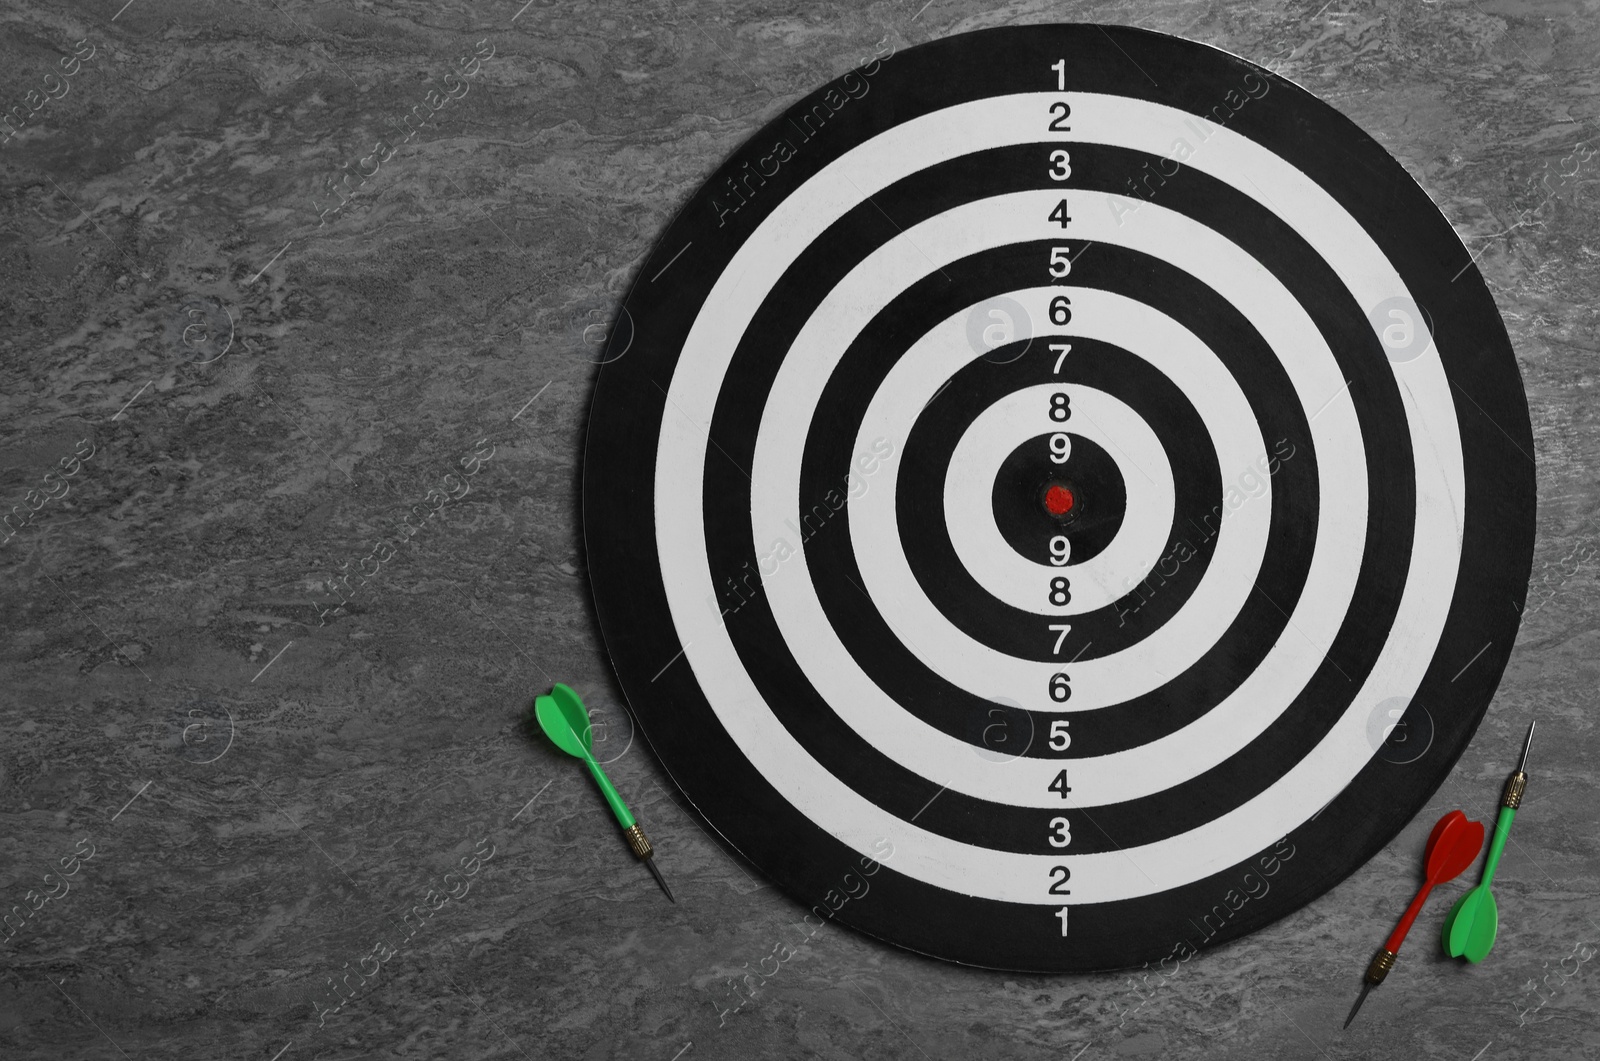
point(1060, 637)
point(1063, 349)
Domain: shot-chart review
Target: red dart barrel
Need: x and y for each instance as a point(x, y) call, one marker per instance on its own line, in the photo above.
point(1452, 847)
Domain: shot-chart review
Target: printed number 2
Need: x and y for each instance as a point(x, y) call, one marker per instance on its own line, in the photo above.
point(1060, 112)
point(1060, 875)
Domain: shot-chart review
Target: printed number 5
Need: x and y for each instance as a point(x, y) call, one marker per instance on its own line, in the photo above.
point(1060, 739)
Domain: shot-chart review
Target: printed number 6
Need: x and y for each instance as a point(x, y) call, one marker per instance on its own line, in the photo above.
point(1060, 692)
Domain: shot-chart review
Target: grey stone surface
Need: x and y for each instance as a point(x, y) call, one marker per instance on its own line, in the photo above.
point(250, 790)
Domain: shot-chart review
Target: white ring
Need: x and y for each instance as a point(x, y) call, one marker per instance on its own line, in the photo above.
point(969, 516)
point(1114, 678)
point(696, 384)
point(1156, 338)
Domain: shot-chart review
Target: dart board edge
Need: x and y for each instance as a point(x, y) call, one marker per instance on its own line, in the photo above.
point(955, 210)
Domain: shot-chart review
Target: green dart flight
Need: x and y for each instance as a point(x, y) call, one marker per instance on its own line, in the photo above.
point(565, 721)
point(1470, 928)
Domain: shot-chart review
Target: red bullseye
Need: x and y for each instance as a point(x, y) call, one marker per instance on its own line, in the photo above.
point(1059, 500)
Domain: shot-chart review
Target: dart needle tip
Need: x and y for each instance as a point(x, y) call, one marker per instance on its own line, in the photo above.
point(650, 864)
point(1526, 744)
point(1355, 1008)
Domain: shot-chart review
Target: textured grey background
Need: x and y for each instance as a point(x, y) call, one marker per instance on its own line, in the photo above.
point(271, 379)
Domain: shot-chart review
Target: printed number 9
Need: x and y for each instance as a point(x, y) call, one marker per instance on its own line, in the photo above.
point(1060, 550)
point(1060, 448)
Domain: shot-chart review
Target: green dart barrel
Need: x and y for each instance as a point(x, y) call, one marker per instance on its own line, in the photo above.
point(1472, 924)
point(565, 721)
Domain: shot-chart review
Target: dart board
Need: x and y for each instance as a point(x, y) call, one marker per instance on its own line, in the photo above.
point(1058, 497)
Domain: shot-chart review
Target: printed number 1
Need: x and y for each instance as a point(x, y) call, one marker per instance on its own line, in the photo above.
point(1060, 67)
point(1062, 914)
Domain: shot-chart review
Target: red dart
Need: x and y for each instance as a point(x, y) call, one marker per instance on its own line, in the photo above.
point(1452, 847)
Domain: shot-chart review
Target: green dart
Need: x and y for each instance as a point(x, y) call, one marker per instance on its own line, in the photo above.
point(564, 720)
point(1470, 928)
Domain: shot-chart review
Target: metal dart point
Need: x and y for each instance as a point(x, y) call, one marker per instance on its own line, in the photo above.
point(1382, 962)
point(640, 845)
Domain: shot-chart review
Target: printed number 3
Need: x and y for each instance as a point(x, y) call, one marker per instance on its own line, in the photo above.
point(1060, 832)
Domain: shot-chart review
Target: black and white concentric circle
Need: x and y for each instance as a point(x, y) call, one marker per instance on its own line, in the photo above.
point(1083, 736)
